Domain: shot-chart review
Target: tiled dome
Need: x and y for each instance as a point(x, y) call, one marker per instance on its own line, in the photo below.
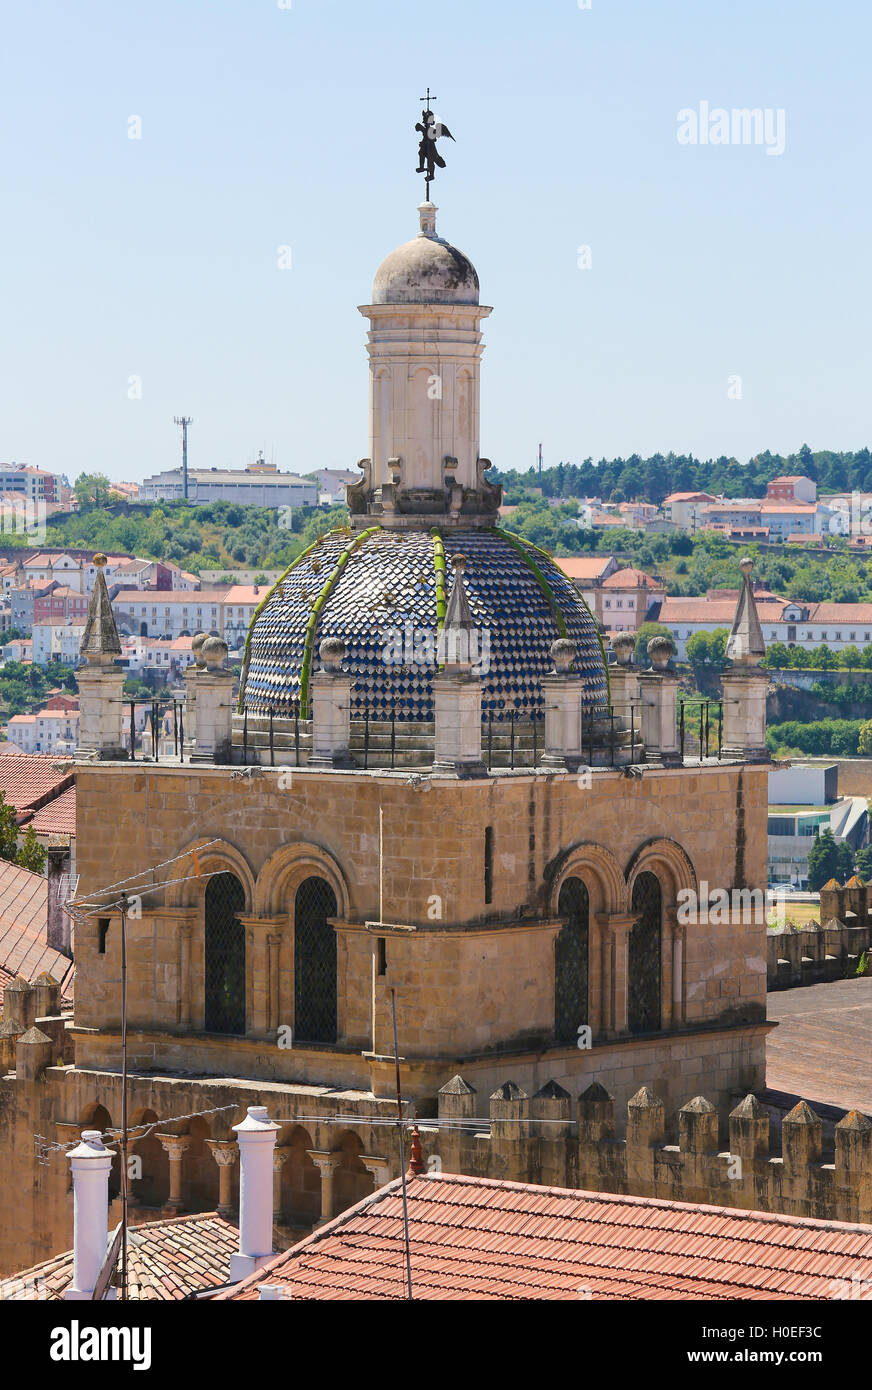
point(379, 590)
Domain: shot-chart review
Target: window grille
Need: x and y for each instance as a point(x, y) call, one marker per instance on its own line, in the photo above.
point(644, 956)
point(571, 961)
point(225, 955)
point(314, 962)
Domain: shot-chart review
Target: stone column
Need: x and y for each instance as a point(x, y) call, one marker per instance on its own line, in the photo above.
point(667, 924)
point(90, 1163)
point(174, 1145)
point(225, 1153)
point(659, 688)
point(331, 708)
point(457, 688)
point(191, 675)
point(624, 679)
point(744, 735)
point(281, 1154)
point(380, 1169)
point(679, 937)
point(184, 1002)
point(274, 950)
point(326, 1163)
point(214, 705)
point(562, 692)
point(616, 938)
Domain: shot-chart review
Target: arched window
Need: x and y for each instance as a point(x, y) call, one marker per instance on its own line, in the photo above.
point(314, 962)
point(643, 966)
point(225, 955)
point(570, 961)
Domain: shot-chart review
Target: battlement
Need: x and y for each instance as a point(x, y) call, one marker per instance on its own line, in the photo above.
point(546, 1138)
point(816, 951)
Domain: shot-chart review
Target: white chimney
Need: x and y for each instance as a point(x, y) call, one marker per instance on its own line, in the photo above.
point(90, 1162)
point(270, 1292)
point(256, 1136)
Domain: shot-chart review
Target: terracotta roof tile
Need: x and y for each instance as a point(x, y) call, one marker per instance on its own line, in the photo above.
point(475, 1238)
point(165, 1259)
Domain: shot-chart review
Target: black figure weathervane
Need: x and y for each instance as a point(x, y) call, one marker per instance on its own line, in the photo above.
point(429, 158)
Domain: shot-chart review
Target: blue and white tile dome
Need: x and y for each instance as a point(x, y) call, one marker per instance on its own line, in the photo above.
point(381, 591)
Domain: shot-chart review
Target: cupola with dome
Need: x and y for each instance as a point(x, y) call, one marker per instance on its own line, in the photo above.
point(381, 584)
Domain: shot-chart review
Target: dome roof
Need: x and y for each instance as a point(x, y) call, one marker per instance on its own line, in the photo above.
point(426, 270)
point(381, 592)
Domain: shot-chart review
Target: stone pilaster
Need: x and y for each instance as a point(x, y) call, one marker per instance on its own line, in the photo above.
point(214, 718)
point(563, 692)
point(659, 688)
point(331, 708)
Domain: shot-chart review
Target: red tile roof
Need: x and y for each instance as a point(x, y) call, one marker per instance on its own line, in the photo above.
point(631, 579)
point(476, 1238)
point(165, 1260)
point(30, 781)
point(58, 816)
point(23, 927)
point(584, 567)
point(676, 611)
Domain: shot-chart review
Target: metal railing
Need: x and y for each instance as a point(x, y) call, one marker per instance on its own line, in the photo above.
point(709, 730)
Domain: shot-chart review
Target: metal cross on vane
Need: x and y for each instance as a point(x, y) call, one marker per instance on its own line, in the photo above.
point(431, 130)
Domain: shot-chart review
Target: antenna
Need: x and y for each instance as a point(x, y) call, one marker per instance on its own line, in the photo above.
point(540, 461)
point(406, 1240)
point(184, 421)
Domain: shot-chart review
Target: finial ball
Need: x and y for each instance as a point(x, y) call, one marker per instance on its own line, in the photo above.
point(458, 563)
point(563, 652)
point(746, 564)
point(100, 560)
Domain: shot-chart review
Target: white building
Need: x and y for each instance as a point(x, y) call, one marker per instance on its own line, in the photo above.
point(806, 625)
point(57, 639)
point(47, 731)
point(166, 613)
point(253, 487)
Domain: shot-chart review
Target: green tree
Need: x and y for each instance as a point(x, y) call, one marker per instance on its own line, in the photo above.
point(851, 659)
point(645, 633)
point(823, 861)
point(824, 658)
point(778, 655)
point(863, 862)
point(32, 855)
point(707, 654)
point(864, 740)
point(92, 490)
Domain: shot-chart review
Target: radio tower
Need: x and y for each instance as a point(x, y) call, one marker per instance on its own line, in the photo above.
point(540, 461)
point(184, 421)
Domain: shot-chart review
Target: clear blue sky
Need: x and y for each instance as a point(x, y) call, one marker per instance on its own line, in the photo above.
point(264, 127)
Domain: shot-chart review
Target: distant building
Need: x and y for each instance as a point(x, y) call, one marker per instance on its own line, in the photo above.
point(588, 573)
point(792, 488)
point(803, 803)
point(253, 487)
point(169, 614)
point(683, 508)
point(57, 639)
point(47, 731)
point(33, 484)
point(627, 599)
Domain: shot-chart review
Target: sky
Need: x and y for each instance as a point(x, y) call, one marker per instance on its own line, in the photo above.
point(721, 305)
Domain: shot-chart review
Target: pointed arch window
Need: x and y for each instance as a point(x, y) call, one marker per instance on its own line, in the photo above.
point(314, 962)
point(643, 965)
point(571, 961)
point(225, 955)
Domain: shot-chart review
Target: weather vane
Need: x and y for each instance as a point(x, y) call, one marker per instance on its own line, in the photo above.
point(429, 158)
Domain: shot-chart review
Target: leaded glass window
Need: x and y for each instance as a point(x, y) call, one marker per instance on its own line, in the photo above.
point(571, 961)
point(314, 962)
point(643, 1001)
point(225, 955)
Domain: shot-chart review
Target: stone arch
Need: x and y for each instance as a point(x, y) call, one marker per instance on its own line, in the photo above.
point(218, 858)
point(200, 1178)
point(300, 1180)
point(96, 1116)
point(352, 1181)
point(671, 864)
point(287, 868)
point(598, 870)
point(152, 1188)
